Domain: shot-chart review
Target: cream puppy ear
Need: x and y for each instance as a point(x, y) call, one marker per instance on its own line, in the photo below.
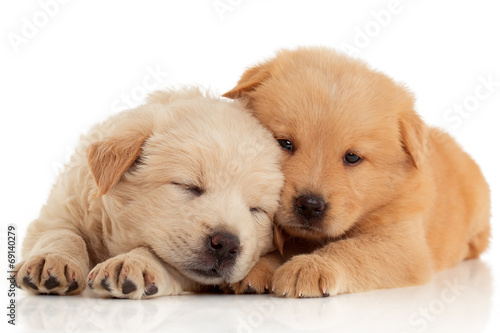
point(414, 137)
point(109, 159)
point(250, 80)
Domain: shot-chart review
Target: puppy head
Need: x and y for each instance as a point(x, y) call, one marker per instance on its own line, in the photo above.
point(349, 134)
point(195, 179)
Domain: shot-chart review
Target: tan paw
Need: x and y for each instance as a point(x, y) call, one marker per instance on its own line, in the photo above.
point(127, 276)
point(52, 274)
point(304, 276)
point(258, 280)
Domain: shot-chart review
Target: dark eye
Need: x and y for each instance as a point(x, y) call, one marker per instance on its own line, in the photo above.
point(286, 144)
point(351, 158)
point(193, 189)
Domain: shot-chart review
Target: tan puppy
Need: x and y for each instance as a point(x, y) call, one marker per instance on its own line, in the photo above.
point(375, 197)
point(164, 198)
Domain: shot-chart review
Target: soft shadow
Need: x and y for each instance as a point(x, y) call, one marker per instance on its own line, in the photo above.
point(457, 300)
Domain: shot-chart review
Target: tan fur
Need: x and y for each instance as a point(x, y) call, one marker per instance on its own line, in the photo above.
point(124, 207)
point(108, 160)
point(259, 280)
point(416, 204)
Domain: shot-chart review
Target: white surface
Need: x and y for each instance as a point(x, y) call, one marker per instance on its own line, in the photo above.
point(458, 300)
point(90, 57)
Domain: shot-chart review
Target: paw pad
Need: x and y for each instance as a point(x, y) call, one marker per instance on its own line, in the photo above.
point(128, 287)
point(51, 282)
point(151, 290)
point(27, 281)
point(105, 284)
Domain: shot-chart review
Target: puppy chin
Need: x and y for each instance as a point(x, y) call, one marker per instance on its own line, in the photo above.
point(203, 279)
point(210, 271)
point(306, 233)
point(296, 226)
point(230, 276)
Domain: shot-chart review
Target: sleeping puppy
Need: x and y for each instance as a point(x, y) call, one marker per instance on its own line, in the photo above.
point(171, 196)
point(373, 198)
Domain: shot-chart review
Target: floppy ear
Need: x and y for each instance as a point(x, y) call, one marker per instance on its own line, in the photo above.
point(413, 137)
point(249, 81)
point(109, 159)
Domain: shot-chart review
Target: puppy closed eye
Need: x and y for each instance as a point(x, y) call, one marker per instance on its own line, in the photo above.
point(192, 189)
point(257, 211)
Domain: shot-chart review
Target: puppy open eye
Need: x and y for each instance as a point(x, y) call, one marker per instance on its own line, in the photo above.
point(193, 189)
point(285, 144)
point(352, 159)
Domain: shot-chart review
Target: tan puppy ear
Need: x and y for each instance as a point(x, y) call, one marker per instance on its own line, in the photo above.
point(109, 159)
point(279, 238)
point(414, 137)
point(249, 81)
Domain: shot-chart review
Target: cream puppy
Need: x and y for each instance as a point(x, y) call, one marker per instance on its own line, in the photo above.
point(168, 197)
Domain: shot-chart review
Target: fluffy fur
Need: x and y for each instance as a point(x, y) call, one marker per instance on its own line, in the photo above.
point(415, 204)
point(145, 193)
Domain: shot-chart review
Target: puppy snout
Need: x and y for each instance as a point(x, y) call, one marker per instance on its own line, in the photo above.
point(225, 246)
point(310, 206)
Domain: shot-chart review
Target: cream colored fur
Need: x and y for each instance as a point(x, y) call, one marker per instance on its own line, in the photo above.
point(126, 207)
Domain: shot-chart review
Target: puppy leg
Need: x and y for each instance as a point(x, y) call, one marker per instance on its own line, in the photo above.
point(479, 243)
point(392, 256)
point(259, 279)
point(57, 264)
point(135, 275)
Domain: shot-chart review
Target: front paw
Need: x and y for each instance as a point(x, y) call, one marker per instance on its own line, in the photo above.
point(127, 276)
point(52, 273)
point(304, 276)
point(257, 281)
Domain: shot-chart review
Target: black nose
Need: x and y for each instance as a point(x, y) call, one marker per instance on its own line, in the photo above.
point(225, 246)
point(310, 207)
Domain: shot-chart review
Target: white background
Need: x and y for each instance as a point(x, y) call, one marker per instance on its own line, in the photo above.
point(63, 71)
